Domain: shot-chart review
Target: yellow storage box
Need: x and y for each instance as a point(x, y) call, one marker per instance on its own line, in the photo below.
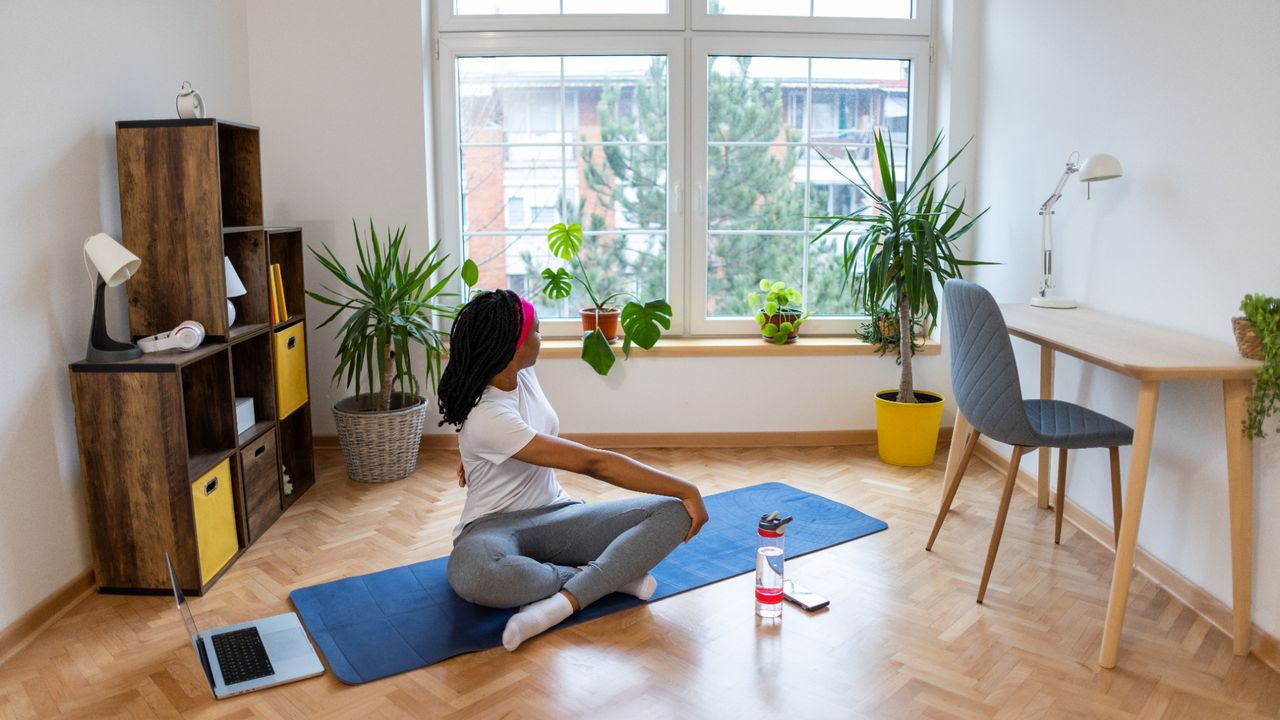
point(291, 369)
point(215, 520)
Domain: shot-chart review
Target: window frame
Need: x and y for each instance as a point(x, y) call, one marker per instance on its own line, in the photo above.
point(557, 44)
point(920, 24)
point(447, 21)
point(913, 49)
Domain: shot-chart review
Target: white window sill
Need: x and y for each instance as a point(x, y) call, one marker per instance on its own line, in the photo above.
point(736, 347)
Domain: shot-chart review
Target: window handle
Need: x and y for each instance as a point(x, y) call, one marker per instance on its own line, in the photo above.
point(677, 200)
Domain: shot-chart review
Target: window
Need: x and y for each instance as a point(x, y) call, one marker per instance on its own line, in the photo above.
point(543, 216)
point(766, 177)
point(515, 212)
point(533, 15)
point(580, 139)
point(589, 127)
point(558, 7)
point(813, 8)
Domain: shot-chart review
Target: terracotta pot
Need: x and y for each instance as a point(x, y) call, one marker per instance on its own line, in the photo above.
point(608, 320)
point(778, 319)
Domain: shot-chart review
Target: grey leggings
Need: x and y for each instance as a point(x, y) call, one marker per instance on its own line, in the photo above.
point(515, 558)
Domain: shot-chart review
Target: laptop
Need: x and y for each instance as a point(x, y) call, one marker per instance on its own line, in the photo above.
point(249, 656)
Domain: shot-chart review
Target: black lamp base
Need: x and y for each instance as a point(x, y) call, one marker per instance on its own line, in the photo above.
point(98, 355)
point(102, 347)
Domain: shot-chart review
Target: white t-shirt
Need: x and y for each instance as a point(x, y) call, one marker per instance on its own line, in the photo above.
point(499, 426)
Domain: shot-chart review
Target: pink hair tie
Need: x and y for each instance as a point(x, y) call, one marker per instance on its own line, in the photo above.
point(527, 316)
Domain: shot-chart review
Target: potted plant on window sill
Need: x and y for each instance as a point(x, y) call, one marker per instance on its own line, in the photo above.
point(881, 332)
point(779, 312)
point(388, 306)
point(642, 322)
point(897, 251)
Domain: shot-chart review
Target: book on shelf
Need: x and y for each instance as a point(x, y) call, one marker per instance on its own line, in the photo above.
point(275, 311)
point(277, 294)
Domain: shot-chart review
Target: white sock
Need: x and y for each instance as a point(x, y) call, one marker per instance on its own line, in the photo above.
point(535, 618)
point(642, 587)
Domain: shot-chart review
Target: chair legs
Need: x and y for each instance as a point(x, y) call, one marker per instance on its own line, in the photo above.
point(1060, 504)
point(1001, 514)
point(1115, 491)
point(949, 492)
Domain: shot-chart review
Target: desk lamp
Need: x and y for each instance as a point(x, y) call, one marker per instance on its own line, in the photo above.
point(1098, 167)
point(235, 288)
point(112, 265)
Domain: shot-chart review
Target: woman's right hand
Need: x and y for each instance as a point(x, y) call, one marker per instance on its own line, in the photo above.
point(697, 513)
point(462, 476)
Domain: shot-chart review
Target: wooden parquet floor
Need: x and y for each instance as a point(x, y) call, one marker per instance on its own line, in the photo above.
point(903, 638)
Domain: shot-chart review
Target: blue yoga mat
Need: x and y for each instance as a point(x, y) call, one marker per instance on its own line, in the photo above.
point(388, 622)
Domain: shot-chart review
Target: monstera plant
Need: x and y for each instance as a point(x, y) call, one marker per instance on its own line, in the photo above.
point(642, 322)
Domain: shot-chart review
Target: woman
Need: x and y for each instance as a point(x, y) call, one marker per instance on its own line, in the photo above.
point(521, 541)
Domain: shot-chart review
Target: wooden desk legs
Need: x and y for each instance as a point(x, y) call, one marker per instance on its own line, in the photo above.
point(1235, 396)
point(1046, 393)
point(1144, 428)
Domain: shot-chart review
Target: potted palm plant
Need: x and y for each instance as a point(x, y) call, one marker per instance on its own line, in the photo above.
point(385, 308)
point(896, 251)
point(642, 322)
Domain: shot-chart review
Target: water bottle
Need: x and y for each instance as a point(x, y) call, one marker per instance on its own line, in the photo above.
point(769, 565)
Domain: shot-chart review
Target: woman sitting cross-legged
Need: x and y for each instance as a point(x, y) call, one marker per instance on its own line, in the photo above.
point(521, 541)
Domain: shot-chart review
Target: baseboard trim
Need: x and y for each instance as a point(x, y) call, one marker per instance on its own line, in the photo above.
point(22, 631)
point(1217, 613)
point(620, 441)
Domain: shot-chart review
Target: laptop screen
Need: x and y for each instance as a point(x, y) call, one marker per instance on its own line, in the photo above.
point(187, 618)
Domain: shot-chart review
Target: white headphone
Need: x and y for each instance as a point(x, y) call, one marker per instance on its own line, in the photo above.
point(186, 336)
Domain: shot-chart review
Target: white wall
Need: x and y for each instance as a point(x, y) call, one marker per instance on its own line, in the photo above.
point(1184, 94)
point(338, 91)
point(70, 69)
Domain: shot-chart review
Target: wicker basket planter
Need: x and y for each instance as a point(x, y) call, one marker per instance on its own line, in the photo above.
point(1248, 342)
point(380, 446)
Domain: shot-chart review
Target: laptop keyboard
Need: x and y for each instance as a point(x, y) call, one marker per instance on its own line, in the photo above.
point(241, 656)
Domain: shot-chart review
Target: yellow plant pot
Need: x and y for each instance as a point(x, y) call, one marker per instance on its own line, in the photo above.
point(907, 433)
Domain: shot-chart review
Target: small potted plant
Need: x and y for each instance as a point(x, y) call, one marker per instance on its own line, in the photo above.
point(1258, 337)
point(779, 311)
point(642, 322)
point(897, 249)
point(882, 332)
point(385, 308)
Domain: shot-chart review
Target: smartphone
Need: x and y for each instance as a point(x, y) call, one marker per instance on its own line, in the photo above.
point(803, 596)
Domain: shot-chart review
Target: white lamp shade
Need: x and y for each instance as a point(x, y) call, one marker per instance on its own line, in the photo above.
point(1100, 167)
point(235, 288)
point(113, 262)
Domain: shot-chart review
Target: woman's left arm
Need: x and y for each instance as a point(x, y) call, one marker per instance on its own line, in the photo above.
point(615, 469)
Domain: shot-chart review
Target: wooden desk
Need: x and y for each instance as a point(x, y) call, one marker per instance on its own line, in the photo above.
point(1151, 355)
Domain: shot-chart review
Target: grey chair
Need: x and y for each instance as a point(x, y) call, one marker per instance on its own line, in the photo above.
point(984, 379)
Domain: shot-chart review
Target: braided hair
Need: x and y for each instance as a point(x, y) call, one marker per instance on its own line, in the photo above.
point(483, 341)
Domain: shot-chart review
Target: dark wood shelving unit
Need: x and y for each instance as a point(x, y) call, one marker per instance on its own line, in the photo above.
point(160, 452)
